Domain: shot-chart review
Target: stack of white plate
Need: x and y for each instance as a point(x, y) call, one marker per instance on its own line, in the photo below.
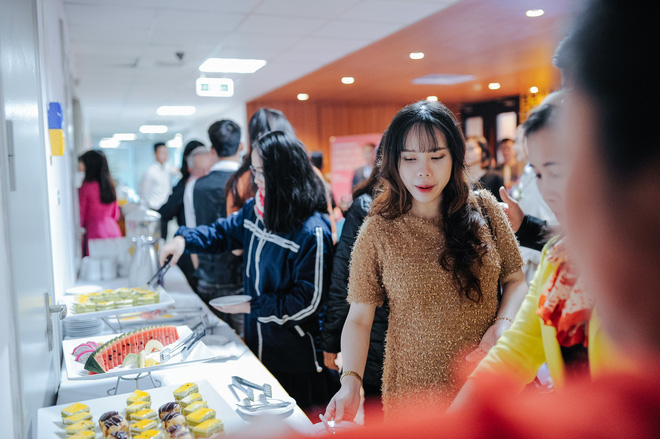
point(81, 328)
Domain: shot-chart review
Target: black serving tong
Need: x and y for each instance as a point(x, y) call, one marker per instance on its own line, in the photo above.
point(158, 277)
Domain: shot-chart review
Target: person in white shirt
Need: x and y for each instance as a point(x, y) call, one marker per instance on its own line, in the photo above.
point(199, 161)
point(156, 183)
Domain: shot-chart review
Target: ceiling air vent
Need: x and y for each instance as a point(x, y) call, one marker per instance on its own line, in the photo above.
point(442, 79)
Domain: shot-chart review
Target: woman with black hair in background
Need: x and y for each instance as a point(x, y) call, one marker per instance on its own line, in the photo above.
point(287, 257)
point(97, 198)
point(173, 208)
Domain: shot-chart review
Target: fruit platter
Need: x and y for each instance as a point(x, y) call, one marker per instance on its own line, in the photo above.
point(116, 301)
point(185, 411)
point(133, 352)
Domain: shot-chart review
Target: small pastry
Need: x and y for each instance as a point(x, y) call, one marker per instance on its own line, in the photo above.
point(80, 426)
point(119, 435)
point(200, 415)
point(112, 422)
point(73, 409)
point(137, 406)
point(189, 399)
point(143, 425)
point(185, 390)
point(138, 395)
point(183, 433)
point(174, 418)
point(209, 429)
point(77, 417)
point(194, 406)
point(167, 408)
point(143, 414)
point(86, 434)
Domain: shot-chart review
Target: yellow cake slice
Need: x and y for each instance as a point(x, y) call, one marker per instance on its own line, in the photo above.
point(192, 397)
point(200, 415)
point(138, 395)
point(194, 406)
point(143, 414)
point(80, 416)
point(80, 426)
point(150, 434)
point(185, 390)
point(143, 425)
point(211, 428)
point(73, 409)
point(83, 435)
point(137, 406)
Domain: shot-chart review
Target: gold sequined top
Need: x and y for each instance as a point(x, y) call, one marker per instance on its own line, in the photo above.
point(431, 327)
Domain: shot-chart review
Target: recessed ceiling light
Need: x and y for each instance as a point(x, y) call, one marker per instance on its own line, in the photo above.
point(303, 96)
point(432, 98)
point(442, 79)
point(175, 110)
point(494, 86)
point(153, 129)
point(533, 89)
point(215, 87)
point(347, 80)
point(124, 136)
point(416, 55)
point(535, 12)
point(231, 65)
point(108, 142)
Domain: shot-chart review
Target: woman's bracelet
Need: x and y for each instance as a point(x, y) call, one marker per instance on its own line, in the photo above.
point(353, 374)
point(503, 318)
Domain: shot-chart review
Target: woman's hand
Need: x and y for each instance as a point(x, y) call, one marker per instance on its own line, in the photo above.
point(175, 248)
point(329, 359)
point(512, 210)
point(488, 340)
point(345, 404)
point(241, 308)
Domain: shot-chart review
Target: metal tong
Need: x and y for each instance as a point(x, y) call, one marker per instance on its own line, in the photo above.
point(185, 346)
point(158, 277)
point(266, 388)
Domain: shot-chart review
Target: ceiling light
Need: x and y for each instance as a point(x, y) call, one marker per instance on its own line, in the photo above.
point(153, 129)
point(534, 90)
point(124, 136)
point(174, 110)
point(108, 142)
point(494, 86)
point(442, 79)
point(432, 98)
point(302, 96)
point(416, 55)
point(215, 87)
point(347, 80)
point(231, 65)
point(534, 12)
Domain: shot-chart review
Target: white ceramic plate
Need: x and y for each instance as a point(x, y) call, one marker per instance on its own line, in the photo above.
point(76, 370)
point(164, 301)
point(229, 300)
point(84, 289)
point(50, 419)
point(273, 411)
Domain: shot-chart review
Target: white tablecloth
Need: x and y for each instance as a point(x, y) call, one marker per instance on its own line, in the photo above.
point(217, 372)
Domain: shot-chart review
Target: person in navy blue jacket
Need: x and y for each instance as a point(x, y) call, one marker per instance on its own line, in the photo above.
point(287, 257)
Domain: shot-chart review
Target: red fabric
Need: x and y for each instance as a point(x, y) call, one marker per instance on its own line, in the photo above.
point(99, 220)
point(619, 406)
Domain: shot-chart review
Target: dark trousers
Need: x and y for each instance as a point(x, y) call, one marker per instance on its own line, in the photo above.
point(209, 291)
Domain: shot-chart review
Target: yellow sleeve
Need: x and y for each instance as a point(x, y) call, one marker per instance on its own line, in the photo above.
point(519, 352)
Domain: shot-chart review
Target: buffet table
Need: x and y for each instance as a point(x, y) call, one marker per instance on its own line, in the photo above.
point(233, 358)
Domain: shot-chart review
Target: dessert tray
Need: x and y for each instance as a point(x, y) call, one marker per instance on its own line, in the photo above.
point(104, 308)
point(50, 425)
point(75, 370)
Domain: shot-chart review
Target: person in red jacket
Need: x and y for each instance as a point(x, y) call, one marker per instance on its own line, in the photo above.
point(97, 198)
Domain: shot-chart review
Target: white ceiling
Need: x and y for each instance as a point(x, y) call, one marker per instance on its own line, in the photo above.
point(125, 65)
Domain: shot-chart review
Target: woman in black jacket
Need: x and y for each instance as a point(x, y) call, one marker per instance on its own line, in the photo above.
point(337, 306)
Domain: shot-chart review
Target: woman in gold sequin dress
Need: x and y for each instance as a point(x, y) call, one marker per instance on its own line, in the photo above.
point(435, 250)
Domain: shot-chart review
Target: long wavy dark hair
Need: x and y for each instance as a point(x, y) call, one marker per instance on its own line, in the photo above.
point(459, 209)
point(96, 169)
point(293, 190)
point(262, 121)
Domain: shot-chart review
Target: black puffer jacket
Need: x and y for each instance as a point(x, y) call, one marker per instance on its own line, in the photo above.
point(337, 306)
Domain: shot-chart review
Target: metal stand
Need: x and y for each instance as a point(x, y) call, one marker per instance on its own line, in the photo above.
point(155, 383)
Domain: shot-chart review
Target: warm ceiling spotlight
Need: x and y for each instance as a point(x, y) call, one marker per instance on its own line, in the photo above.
point(175, 110)
point(534, 90)
point(494, 86)
point(303, 96)
point(347, 80)
point(416, 55)
point(432, 98)
point(535, 13)
point(153, 129)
